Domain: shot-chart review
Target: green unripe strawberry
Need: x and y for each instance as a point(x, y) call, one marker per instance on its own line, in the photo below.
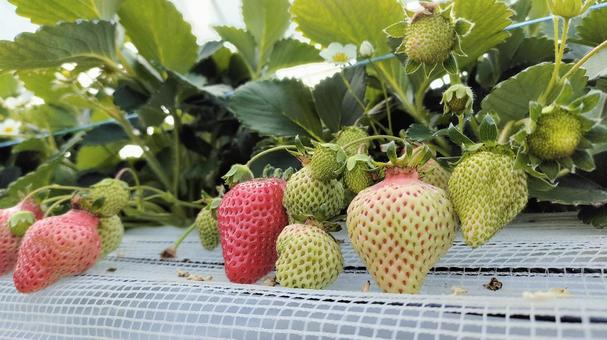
point(434, 174)
point(308, 257)
point(351, 134)
point(110, 231)
point(358, 179)
point(105, 198)
point(487, 192)
point(556, 136)
point(358, 173)
point(327, 162)
point(206, 222)
point(429, 39)
point(306, 197)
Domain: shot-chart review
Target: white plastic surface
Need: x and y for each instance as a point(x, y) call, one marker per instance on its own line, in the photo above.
point(141, 297)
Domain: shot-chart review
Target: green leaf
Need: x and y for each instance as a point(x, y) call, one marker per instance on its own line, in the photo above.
point(105, 134)
point(85, 43)
point(347, 21)
point(593, 29)
point(598, 135)
point(510, 99)
point(43, 83)
point(291, 52)
point(98, 156)
point(50, 117)
point(277, 108)
point(267, 21)
point(9, 86)
point(160, 33)
point(490, 18)
point(37, 178)
point(457, 137)
point(584, 160)
point(596, 66)
point(336, 105)
point(50, 12)
point(597, 216)
point(573, 190)
point(244, 42)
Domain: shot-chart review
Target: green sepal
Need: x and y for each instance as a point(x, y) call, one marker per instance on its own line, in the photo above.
point(597, 135)
point(450, 64)
point(20, 222)
point(457, 137)
point(488, 129)
point(566, 95)
point(238, 173)
point(411, 66)
point(583, 160)
point(360, 158)
point(588, 102)
point(463, 27)
point(396, 30)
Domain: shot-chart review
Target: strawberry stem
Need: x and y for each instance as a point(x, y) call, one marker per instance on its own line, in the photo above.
point(585, 59)
point(376, 137)
point(50, 187)
point(55, 205)
point(172, 250)
point(269, 151)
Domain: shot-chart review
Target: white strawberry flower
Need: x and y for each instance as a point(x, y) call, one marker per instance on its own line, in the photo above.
point(339, 54)
point(10, 128)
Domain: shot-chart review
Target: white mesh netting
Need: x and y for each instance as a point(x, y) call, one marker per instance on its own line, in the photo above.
point(134, 294)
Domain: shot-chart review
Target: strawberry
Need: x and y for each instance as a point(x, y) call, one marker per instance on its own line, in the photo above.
point(9, 242)
point(206, 223)
point(434, 174)
point(249, 218)
point(306, 197)
point(110, 231)
point(327, 162)
point(400, 227)
point(351, 134)
point(104, 199)
point(556, 136)
point(430, 37)
point(487, 192)
point(308, 257)
point(56, 247)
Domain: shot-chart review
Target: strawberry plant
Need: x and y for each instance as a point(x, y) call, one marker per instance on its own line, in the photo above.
point(468, 111)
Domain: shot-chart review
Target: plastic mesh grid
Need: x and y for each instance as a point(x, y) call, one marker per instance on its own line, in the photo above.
point(142, 297)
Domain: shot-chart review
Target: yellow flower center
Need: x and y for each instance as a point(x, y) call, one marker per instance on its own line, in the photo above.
point(340, 58)
point(8, 130)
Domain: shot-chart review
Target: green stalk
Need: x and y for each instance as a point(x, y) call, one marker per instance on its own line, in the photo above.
point(371, 138)
point(351, 91)
point(558, 57)
point(388, 108)
point(269, 151)
point(585, 59)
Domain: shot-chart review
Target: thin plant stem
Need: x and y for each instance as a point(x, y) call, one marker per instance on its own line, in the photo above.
point(585, 59)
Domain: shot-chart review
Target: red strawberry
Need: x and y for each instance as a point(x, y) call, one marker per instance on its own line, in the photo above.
point(56, 247)
point(9, 243)
point(250, 217)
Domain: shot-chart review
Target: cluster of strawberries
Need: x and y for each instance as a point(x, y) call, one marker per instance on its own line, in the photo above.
point(41, 250)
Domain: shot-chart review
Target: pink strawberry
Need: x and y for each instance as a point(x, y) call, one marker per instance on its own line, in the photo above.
point(56, 247)
point(250, 217)
point(400, 227)
point(9, 243)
